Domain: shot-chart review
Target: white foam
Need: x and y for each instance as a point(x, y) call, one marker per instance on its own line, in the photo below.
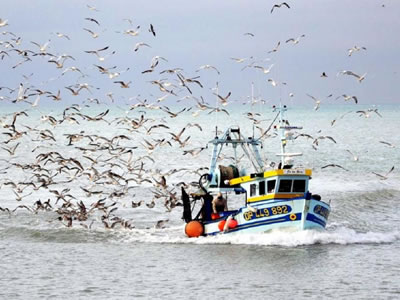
point(341, 236)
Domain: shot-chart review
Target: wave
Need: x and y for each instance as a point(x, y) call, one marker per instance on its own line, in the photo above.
point(340, 236)
point(175, 235)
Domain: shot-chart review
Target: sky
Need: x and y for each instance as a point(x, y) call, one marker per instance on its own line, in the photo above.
point(193, 34)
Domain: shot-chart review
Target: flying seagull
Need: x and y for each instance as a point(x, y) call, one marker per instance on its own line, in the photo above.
point(279, 5)
point(359, 77)
point(334, 165)
point(295, 41)
point(384, 177)
point(317, 101)
point(347, 98)
point(355, 48)
point(92, 20)
point(151, 29)
point(249, 34)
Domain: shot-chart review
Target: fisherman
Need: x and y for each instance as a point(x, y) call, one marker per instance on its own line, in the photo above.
point(219, 204)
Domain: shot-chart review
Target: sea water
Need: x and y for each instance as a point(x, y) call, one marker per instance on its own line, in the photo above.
point(356, 257)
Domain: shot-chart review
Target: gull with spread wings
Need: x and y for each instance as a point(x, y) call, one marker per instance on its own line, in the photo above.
point(384, 177)
point(279, 5)
point(359, 77)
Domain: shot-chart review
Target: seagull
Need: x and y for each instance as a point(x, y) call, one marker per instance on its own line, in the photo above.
point(92, 33)
point(375, 110)
point(133, 32)
point(208, 67)
point(224, 100)
point(123, 84)
point(217, 109)
point(279, 5)
point(295, 41)
point(73, 69)
point(341, 117)
point(384, 177)
point(151, 29)
point(347, 98)
point(96, 52)
point(322, 138)
point(74, 92)
point(333, 165)
point(317, 102)
point(355, 48)
point(36, 102)
point(61, 35)
point(155, 61)
point(323, 74)
point(160, 224)
point(276, 48)
point(137, 204)
point(59, 61)
point(238, 60)
point(363, 113)
point(151, 204)
point(249, 34)
point(272, 82)
point(43, 47)
point(113, 75)
point(194, 152)
point(355, 157)
point(366, 113)
point(140, 44)
point(11, 150)
point(265, 71)
point(3, 22)
point(92, 20)
point(359, 77)
point(92, 8)
point(387, 143)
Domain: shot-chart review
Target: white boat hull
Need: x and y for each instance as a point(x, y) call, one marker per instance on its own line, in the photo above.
point(296, 214)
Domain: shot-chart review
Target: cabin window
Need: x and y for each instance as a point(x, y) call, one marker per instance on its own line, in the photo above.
point(299, 186)
point(271, 186)
point(285, 186)
point(253, 189)
point(261, 188)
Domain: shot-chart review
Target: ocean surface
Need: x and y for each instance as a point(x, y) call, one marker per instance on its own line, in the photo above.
point(356, 257)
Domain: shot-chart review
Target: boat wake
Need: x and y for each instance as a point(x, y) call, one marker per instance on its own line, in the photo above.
point(340, 236)
point(339, 233)
point(335, 234)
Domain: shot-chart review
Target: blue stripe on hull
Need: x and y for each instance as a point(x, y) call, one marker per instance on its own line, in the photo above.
point(315, 219)
point(263, 223)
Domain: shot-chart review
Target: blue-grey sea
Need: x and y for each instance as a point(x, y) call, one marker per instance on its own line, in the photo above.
point(356, 257)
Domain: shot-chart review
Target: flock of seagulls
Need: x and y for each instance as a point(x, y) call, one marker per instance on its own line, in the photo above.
point(86, 163)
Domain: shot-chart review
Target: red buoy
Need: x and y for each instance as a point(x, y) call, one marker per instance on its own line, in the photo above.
point(194, 229)
point(214, 216)
point(232, 223)
point(221, 225)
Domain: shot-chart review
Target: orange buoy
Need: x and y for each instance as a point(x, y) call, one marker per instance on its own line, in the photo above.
point(194, 229)
point(232, 223)
point(221, 225)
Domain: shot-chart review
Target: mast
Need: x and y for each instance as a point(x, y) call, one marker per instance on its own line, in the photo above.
point(285, 134)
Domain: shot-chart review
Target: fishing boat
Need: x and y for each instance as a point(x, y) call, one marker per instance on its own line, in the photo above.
point(273, 197)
